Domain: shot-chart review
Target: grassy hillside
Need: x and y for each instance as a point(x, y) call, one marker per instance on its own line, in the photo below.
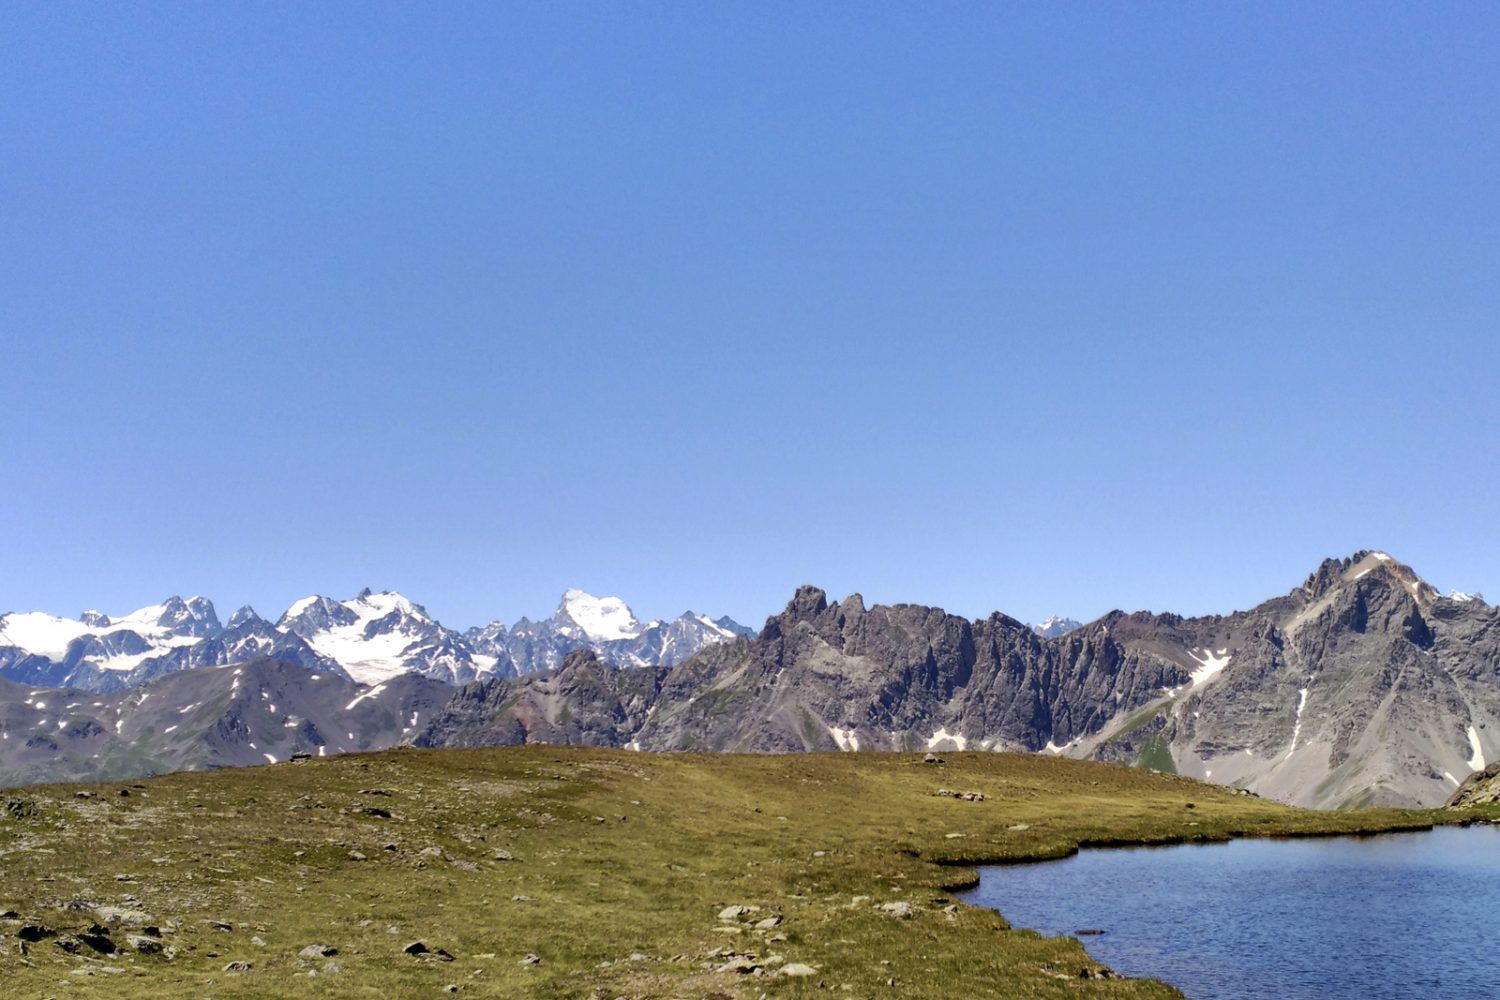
point(610, 870)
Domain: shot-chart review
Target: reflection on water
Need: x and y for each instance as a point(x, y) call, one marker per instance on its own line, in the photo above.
point(1398, 916)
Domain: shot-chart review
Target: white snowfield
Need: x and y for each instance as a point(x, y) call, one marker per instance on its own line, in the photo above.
point(369, 660)
point(602, 619)
point(1209, 664)
point(1476, 758)
point(48, 635)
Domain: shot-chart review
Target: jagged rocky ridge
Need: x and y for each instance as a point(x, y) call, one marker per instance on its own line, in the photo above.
point(370, 638)
point(1363, 686)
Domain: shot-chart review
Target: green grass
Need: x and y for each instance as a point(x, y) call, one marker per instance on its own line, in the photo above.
point(625, 860)
point(1156, 754)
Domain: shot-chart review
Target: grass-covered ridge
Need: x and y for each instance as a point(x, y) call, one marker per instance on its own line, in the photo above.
point(612, 869)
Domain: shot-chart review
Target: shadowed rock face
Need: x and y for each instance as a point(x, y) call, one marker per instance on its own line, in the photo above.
point(1361, 687)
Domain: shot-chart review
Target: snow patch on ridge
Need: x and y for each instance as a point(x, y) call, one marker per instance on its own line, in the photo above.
point(1297, 723)
point(845, 738)
point(361, 697)
point(1209, 664)
point(942, 735)
point(1476, 759)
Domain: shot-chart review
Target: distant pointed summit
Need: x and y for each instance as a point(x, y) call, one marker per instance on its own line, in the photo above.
point(1051, 628)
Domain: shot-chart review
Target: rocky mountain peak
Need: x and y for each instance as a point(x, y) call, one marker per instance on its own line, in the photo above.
point(807, 603)
point(1056, 625)
point(244, 616)
point(94, 619)
point(1335, 574)
point(603, 619)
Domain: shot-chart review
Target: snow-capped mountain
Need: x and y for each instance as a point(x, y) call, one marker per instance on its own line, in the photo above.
point(368, 639)
point(375, 637)
point(99, 653)
point(1055, 626)
point(581, 615)
point(605, 625)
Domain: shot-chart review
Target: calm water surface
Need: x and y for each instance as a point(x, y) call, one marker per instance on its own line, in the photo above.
point(1404, 915)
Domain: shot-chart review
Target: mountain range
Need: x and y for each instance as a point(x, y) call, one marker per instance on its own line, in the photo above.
point(368, 639)
point(1362, 686)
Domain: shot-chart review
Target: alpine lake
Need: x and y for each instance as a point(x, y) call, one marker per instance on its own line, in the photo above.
point(1408, 915)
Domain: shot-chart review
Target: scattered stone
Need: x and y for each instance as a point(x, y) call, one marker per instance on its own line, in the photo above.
point(451, 988)
point(144, 944)
point(965, 796)
point(532, 959)
point(932, 758)
point(298, 755)
point(357, 855)
point(317, 951)
point(503, 855)
point(432, 954)
point(737, 912)
point(221, 925)
point(393, 847)
point(797, 969)
point(431, 853)
point(125, 915)
point(258, 941)
point(238, 966)
point(901, 910)
point(371, 811)
point(376, 791)
point(123, 793)
point(34, 932)
point(84, 795)
point(521, 899)
point(10, 915)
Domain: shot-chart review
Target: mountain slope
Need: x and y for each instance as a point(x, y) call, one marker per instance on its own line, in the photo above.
point(252, 713)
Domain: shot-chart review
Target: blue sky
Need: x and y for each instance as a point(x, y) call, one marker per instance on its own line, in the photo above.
point(1031, 307)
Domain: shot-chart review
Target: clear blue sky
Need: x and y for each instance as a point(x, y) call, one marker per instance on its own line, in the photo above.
point(1030, 307)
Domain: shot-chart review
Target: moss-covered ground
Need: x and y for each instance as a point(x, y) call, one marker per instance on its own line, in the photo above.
point(553, 872)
